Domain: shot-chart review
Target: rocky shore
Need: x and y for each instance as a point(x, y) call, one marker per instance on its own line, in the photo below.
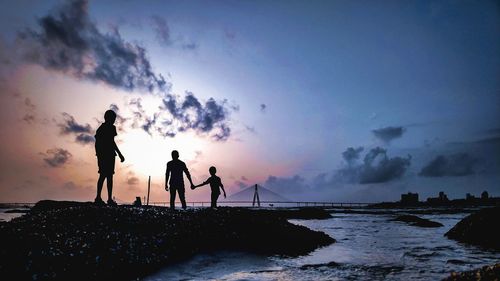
point(71, 240)
point(485, 273)
point(480, 228)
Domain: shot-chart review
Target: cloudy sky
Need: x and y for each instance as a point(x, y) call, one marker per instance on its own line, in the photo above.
point(354, 101)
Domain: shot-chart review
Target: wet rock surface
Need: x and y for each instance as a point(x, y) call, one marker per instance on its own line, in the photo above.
point(485, 273)
point(480, 228)
point(71, 240)
point(417, 221)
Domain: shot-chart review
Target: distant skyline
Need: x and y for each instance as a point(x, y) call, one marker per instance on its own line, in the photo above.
point(315, 100)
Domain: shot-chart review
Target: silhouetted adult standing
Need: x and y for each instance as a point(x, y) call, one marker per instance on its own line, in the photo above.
point(105, 150)
point(175, 170)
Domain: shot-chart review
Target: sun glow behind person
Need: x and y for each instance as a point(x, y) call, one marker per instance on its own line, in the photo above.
point(148, 155)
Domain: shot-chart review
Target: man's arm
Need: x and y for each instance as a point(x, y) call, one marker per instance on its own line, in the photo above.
point(188, 175)
point(167, 174)
point(119, 153)
point(202, 184)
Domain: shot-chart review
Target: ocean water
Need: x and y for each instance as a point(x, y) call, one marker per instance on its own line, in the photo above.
point(368, 247)
point(8, 216)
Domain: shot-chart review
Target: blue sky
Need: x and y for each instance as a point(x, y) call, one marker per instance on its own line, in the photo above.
point(328, 73)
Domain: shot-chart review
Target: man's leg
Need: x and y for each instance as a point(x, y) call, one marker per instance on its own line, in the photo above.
point(172, 198)
point(182, 197)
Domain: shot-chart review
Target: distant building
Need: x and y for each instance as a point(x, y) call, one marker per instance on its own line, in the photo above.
point(441, 199)
point(409, 198)
point(485, 195)
point(470, 197)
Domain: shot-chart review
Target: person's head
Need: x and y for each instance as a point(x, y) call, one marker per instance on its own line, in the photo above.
point(212, 170)
point(110, 116)
point(175, 154)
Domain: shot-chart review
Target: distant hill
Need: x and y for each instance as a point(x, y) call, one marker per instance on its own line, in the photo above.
point(264, 195)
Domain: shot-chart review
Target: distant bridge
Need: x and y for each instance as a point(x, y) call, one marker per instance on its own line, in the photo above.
point(275, 204)
point(265, 204)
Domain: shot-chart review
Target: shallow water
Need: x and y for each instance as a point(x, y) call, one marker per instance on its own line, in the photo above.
point(8, 216)
point(368, 247)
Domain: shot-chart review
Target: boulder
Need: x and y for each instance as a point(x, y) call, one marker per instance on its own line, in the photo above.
point(480, 228)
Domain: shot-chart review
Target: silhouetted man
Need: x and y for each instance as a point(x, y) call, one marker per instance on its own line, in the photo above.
point(175, 170)
point(105, 150)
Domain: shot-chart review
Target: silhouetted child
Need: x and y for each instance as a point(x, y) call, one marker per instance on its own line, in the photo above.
point(105, 150)
point(215, 183)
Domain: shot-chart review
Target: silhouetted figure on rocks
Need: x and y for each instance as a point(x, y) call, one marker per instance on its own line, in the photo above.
point(105, 150)
point(215, 183)
point(175, 170)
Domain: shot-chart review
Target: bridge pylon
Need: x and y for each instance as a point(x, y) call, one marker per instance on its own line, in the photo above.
point(256, 197)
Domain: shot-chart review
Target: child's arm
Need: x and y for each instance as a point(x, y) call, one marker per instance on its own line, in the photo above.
point(119, 153)
point(222, 187)
point(201, 184)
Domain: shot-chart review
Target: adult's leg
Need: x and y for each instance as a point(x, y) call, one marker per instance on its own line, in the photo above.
point(109, 184)
point(172, 198)
point(182, 197)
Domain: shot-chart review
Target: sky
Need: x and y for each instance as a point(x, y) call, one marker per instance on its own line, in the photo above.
point(338, 101)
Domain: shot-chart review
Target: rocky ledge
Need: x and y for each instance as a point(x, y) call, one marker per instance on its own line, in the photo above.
point(485, 273)
point(480, 228)
point(71, 240)
point(417, 221)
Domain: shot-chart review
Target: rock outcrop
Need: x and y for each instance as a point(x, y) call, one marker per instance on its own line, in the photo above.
point(71, 240)
point(480, 228)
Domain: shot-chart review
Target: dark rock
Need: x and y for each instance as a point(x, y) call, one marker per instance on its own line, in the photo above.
point(312, 266)
point(71, 240)
point(417, 221)
point(480, 228)
point(485, 273)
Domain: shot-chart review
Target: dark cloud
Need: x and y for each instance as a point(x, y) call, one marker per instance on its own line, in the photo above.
point(263, 108)
point(70, 126)
point(250, 129)
point(82, 132)
point(29, 117)
point(189, 46)
point(69, 185)
point(385, 170)
point(85, 139)
point(387, 134)
point(286, 185)
point(114, 107)
point(191, 114)
point(351, 155)
point(377, 167)
point(133, 180)
point(177, 116)
point(161, 29)
point(454, 165)
point(56, 157)
point(164, 35)
point(68, 41)
point(243, 178)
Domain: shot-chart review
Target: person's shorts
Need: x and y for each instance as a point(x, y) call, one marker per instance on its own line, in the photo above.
point(106, 165)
